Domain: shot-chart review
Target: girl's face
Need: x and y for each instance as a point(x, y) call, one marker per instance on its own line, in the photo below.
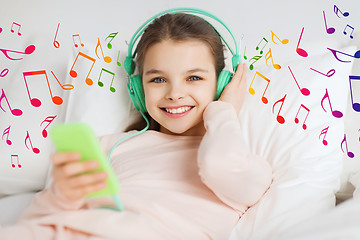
point(179, 80)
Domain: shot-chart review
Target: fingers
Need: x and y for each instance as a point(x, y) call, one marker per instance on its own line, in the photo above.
point(70, 164)
point(240, 74)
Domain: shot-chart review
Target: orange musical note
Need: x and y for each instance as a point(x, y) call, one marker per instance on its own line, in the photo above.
point(111, 36)
point(15, 112)
point(335, 52)
point(107, 59)
point(28, 50)
point(284, 41)
point(279, 118)
point(335, 113)
point(350, 154)
point(17, 159)
point(16, 24)
point(304, 91)
point(35, 101)
point(118, 62)
point(78, 37)
point(63, 86)
point(352, 31)
point(328, 74)
point(355, 105)
point(337, 10)
point(297, 119)
point(73, 73)
point(265, 43)
point(324, 132)
point(268, 56)
point(34, 149)
point(255, 58)
point(49, 120)
point(252, 91)
point(101, 84)
point(301, 51)
point(56, 43)
point(7, 133)
point(330, 30)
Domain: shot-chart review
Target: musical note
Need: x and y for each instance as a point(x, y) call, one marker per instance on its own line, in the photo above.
point(34, 149)
point(324, 132)
point(279, 118)
point(356, 105)
point(297, 119)
point(17, 159)
point(49, 120)
point(118, 62)
point(268, 56)
point(256, 58)
point(4, 72)
point(335, 113)
point(301, 51)
point(350, 154)
point(101, 84)
point(56, 43)
point(111, 36)
point(304, 91)
point(352, 31)
point(330, 30)
point(337, 10)
point(73, 73)
point(7, 133)
point(16, 24)
point(15, 112)
point(107, 59)
point(29, 50)
point(35, 101)
point(245, 57)
point(265, 43)
point(252, 90)
point(0, 29)
point(284, 41)
point(78, 37)
point(65, 86)
point(328, 74)
point(335, 52)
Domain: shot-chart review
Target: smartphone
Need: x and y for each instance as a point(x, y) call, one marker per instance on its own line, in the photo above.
point(79, 137)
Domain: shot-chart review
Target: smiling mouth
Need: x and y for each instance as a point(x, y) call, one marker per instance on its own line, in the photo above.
point(179, 110)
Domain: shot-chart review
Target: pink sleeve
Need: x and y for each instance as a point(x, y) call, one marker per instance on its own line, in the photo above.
point(238, 177)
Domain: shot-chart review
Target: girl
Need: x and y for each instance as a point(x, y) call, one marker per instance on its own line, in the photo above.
point(189, 177)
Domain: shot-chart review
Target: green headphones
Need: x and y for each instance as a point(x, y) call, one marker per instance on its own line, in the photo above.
point(134, 84)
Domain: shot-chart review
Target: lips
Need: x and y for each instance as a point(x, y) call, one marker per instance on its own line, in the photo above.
point(178, 111)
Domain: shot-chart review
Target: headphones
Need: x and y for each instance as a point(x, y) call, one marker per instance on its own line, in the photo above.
point(134, 84)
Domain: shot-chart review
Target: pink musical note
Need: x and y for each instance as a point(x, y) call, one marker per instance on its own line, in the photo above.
point(48, 120)
point(34, 149)
point(284, 41)
point(330, 30)
point(77, 36)
point(29, 50)
point(7, 133)
point(252, 90)
point(335, 113)
point(56, 43)
point(4, 72)
point(15, 112)
point(337, 10)
point(304, 91)
point(17, 159)
point(35, 101)
point(101, 84)
point(73, 73)
point(107, 59)
point(297, 119)
point(355, 105)
point(0, 29)
point(301, 51)
point(350, 154)
point(279, 118)
point(16, 24)
point(324, 132)
point(268, 56)
point(265, 43)
point(352, 31)
point(328, 74)
point(335, 52)
point(63, 86)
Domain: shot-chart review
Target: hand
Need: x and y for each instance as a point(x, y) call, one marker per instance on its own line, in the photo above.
point(234, 92)
point(74, 178)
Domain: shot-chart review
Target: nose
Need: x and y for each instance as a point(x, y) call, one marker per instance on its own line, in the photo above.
point(175, 92)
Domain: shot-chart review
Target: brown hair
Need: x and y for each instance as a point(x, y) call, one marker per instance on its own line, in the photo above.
point(178, 27)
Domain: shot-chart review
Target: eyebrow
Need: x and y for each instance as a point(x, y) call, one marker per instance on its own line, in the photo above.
point(156, 71)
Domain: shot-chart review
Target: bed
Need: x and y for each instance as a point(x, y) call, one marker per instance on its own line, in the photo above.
point(63, 61)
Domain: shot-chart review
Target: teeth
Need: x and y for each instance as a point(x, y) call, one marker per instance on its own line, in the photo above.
point(177, 110)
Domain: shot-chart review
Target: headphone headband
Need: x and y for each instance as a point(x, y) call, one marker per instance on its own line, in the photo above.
point(130, 67)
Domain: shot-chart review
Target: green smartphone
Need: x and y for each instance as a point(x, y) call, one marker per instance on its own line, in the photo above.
point(79, 137)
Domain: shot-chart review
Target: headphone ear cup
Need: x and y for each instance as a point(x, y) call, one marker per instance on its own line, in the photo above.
point(224, 78)
point(136, 92)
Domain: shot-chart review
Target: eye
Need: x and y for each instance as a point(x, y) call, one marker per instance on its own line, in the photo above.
point(157, 80)
point(194, 78)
